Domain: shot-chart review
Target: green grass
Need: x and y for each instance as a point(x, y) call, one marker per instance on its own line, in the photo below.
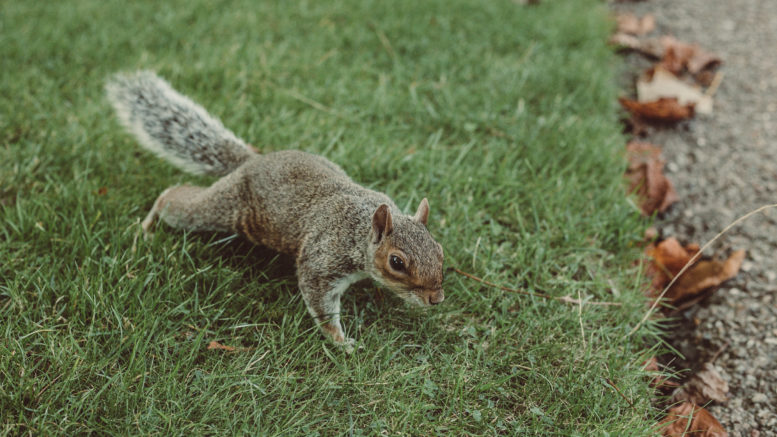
point(502, 115)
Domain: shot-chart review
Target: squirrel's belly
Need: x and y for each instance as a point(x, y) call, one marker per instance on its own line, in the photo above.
point(254, 226)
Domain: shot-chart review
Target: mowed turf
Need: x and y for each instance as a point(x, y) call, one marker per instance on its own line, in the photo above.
point(502, 115)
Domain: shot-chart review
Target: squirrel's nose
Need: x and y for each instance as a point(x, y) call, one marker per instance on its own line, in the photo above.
point(436, 297)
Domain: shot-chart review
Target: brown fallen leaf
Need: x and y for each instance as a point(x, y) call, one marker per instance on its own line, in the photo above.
point(691, 420)
point(659, 82)
point(629, 23)
point(650, 365)
point(660, 380)
point(705, 78)
point(664, 109)
point(674, 55)
point(647, 46)
point(219, 346)
point(646, 178)
point(706, 385)
point(679, 56)
point(669, 257)
point(704, 275)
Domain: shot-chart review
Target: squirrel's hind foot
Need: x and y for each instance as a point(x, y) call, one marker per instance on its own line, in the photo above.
point(148, 224)
point(151, 218)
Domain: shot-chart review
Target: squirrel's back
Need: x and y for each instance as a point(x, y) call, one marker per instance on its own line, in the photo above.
point(173, 126)
point(291, 193)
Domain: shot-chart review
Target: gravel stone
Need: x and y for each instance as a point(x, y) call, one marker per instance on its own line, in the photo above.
point(723, 166)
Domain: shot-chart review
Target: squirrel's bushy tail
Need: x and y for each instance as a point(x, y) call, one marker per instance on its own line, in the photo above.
point(173, 126)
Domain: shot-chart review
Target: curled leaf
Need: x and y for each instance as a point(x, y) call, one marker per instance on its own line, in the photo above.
point(706, 385)
point(646, 177)
point(705, 274)
point(688, 419)
point(679, 56)
point(651, 46)
point(669, 258)
point(660, 83)
point(629, 23)
point(660, 380)
point(663, 109)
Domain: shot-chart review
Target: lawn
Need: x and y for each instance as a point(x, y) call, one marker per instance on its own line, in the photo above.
point(503, 115)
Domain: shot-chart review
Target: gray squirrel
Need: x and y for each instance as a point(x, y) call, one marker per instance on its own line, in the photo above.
point(291, 201)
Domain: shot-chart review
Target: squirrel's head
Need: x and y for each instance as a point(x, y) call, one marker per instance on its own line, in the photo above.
point(407, 260)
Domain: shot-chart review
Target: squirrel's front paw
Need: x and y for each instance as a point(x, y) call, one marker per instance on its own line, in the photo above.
point(349, 345)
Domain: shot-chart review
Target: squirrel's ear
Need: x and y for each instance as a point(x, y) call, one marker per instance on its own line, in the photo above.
point(422, 214)
point(381, 222)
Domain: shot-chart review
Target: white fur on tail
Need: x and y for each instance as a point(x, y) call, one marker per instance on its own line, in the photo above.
point(173, 126)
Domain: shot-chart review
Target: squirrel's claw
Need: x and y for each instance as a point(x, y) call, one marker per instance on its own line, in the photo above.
point(349, 345)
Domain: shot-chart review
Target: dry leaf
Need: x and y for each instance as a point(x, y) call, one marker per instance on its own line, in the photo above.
point(650, 46)
point(650, 365)
point(628, 23)
point(705, 78)
point(664, 109)
point(662, 83)
point(675, 56)
point(706, 385)
point(691, 420)
point(705, 274)
point(102, 191)
point(701, 61)
point(646, 178)
point(635, 127)
point(679, 56)
point(669, 257)
point(659, 380)
point(217, 345)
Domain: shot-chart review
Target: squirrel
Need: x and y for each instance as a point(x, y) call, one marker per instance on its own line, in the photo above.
point(291, 201)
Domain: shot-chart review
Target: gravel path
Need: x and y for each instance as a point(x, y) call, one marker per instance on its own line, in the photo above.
point(723, 166)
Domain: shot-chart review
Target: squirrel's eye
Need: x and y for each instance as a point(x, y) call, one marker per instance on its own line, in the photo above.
point(397, 263)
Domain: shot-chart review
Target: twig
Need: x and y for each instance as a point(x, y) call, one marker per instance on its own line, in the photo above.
point(565, 299)
point(718, 352)
point(693, 260)
point(612, 384)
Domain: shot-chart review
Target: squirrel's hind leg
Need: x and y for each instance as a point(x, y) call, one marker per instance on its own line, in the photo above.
point(193, 208)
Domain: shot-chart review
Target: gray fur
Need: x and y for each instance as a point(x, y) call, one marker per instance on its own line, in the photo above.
point(174, 127)
point(297, 203)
